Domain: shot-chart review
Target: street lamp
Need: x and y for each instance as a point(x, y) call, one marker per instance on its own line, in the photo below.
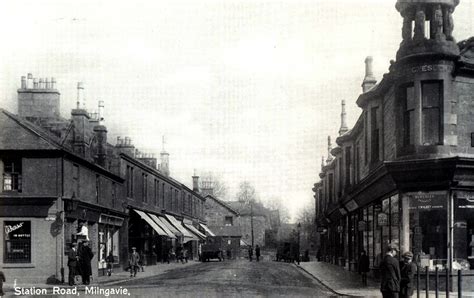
point(299, 231)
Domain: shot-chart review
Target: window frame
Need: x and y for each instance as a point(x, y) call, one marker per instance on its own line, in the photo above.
point(424, 109)
point(15, 175)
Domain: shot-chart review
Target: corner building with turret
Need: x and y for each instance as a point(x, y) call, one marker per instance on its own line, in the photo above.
point(404, 173)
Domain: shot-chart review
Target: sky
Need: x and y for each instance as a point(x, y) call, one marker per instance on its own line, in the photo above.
point(248, 90)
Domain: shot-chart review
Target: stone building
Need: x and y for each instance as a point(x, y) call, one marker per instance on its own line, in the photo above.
point(403, 174)
point(254, 221)
point(63, 182)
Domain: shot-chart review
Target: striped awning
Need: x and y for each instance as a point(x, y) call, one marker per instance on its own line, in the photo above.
point(195, 231)
point(158, 221)
point(150, 221)
point(186, 234)
point(208, 231)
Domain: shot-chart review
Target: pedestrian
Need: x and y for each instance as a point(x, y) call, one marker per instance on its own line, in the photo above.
point(250, 253)
point(110, 261)
point(72, 262)
point(257, 252)
point(407, 272)
point(2, 280)
point(364, 266)
point(390, 273)
point(133, 262)
point(318, 255)
point(185, 255)
point(85, 258)
point(140, 263)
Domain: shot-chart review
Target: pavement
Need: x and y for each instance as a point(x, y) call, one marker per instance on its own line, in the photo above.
point(118, 276)
point(349, 283)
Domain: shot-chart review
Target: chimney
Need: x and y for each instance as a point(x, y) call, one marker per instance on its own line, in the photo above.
point(165, 160)
point(119, 142)
point(343, 128)
point(39, 103)
point(23, 82)
point(369, 80)
point(101, 135)
point(329, 159)
point(53, 83)
point(80, 95)
point(46, 83)
point(29, 82)
point(126, 146)
point(195, 182)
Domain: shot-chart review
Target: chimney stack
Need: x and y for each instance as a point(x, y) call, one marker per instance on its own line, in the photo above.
point(322, 162)
point(165, 169)
point(46, 83)
point(80, 95)
point(35, 83)
point(369, 80)
point(195, 182)
point(53, 83)
point(35, 101)
point(41, 86)
point(344, 127)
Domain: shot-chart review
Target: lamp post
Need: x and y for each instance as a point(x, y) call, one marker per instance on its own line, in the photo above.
point(299, 231)
point(251, 222)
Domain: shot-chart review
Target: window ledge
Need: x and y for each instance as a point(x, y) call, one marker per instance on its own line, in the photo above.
point(18, 265)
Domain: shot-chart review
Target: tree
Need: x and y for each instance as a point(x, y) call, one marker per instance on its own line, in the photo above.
point(210, 180)
point(246, 193)
point(309, 235)
point(275, 203)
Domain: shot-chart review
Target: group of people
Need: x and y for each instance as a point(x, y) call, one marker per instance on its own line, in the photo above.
point(396, 277)
point(257, 253)
point(79, 262)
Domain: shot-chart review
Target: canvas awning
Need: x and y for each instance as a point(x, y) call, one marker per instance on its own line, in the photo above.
point(187, 235)
point(162, 225)
point(170, 226)
point(195, 231)
point(208, 231)
point(150, 221)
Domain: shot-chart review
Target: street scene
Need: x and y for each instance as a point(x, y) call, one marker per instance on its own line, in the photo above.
point(237, 148)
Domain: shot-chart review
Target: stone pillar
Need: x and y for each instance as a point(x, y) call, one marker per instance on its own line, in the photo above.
point(437, 24)
point(420, 18)
point(405, 224)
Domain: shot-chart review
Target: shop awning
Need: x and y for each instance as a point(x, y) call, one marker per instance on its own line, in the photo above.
point(170, 226)
point(208, 231)
point(162, 225)
point(187, 235)
point(150, 221)
point(195, 231)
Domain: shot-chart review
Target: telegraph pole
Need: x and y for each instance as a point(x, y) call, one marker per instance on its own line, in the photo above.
point(251, 221)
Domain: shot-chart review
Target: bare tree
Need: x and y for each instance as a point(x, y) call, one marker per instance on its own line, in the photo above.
point(246, 193)
point(275, 203)
point(305, 217)
point(215, 182)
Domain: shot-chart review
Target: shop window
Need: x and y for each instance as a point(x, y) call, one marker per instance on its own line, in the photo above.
point(228, 221)
point(408, 102)
point(463, 231)
point(431, 100)
point(12, 175)
point(428, 233)
point(17, 242)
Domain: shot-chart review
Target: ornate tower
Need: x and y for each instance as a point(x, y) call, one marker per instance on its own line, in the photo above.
point(427, 27)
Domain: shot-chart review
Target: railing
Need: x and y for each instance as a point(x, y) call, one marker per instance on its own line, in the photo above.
point(449, 282)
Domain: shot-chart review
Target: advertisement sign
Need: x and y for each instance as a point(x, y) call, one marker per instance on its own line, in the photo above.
point(362, 226)
point(427, 200)
point(464, 200)
point(382, 219)
point(351, 205)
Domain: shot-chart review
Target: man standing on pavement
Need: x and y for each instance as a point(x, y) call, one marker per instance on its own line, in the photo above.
point(407, 273)
point(390, 273)
point(364, 266)
point(85, 258)
point(257, 252)
point(72, 259)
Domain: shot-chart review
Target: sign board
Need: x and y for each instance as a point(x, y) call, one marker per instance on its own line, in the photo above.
point(351, 205)
point(340, 229)
point(464, 200)
point(382, 219)
point(343, 211)
point(427, 200)
point(362, 226)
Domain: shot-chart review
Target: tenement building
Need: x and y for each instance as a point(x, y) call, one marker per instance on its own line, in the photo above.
point(404, 173)
point(63, 182)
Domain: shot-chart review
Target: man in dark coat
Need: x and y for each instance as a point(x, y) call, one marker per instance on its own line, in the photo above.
point(257, 252)
point(133, 261)
point(72, 262)
point(407, 272)
point(364, 266)
point(85, 258)
point(390, 273)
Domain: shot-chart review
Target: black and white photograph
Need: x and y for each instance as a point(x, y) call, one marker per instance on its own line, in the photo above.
point(237, 148)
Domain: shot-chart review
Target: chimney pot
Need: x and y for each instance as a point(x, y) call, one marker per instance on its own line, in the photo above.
point(40, 85)
point(369, 80)
point(80, 95)
point(53, 83)
point(23, 82)
point(35, 83)
point(47, 85)
point(29, 82)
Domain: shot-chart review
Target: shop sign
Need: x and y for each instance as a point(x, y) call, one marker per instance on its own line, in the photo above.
point(362, 226)
point(382, 219)
point(340, 229)
point(427, 200)
point(465, 200)
point(343, 211)
point(395, 219)
point(351, 205)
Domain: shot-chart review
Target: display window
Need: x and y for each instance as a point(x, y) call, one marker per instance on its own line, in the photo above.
point(463, 231)
point(17, 241)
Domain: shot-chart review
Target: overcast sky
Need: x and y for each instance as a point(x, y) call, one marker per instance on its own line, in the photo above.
point(246, 89)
